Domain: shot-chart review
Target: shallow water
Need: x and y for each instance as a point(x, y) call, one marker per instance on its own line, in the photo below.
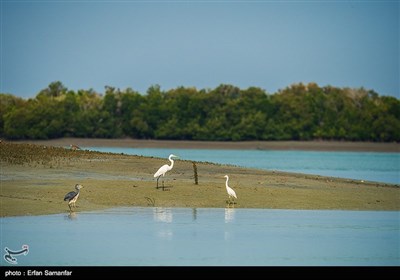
point(368, 166)
point(154, 236)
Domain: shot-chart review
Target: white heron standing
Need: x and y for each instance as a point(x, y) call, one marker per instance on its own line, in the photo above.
point(230, 191)
point(164, 169)
point(73, 196)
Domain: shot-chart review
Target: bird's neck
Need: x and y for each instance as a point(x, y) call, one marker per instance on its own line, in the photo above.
point(172, 163)
point(226, 183)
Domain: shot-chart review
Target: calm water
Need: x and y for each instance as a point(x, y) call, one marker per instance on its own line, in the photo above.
point(205, 237)
point(369, 166)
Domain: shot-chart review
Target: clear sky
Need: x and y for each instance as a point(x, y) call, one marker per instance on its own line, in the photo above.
point(202, 44)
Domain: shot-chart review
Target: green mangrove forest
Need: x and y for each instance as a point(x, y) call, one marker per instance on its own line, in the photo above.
point(297, 112)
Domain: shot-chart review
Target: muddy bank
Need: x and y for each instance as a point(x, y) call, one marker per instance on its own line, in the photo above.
point(35, 178)
point(245, 145)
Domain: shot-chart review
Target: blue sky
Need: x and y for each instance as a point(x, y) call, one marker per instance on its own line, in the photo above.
point(202, 44)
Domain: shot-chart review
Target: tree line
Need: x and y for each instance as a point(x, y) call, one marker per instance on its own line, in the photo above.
point(298, 112)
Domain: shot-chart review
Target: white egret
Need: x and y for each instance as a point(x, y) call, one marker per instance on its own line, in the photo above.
point(230, 191)
point(164, 169)
point(73, 196)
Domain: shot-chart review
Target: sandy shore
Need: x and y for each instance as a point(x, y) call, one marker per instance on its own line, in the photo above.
point(35, 178)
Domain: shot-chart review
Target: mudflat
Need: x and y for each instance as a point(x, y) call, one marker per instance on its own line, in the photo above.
point(239, 145)
point(36, 175)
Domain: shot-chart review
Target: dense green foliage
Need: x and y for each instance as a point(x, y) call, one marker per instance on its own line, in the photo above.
point(298, 112)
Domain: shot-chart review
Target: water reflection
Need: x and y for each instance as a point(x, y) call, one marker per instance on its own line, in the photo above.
point(229, 215)
point(194, 214)
point(71, 216)
point(233, 237)
point(162, 214)
point(165, 234)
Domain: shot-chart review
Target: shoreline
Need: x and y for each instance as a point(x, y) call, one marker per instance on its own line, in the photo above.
point(36, 177)
point(241, 145)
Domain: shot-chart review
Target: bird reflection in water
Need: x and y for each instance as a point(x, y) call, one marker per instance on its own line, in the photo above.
point(229, 215)
point(229, 218)
point(194, 212)
point(71, 216)
point(162, 214)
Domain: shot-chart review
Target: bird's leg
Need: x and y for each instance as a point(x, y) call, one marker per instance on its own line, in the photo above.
point(157, 181)
point(163, 185)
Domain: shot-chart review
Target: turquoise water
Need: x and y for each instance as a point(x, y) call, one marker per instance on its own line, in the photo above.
point(154, 236)
point(368, 166)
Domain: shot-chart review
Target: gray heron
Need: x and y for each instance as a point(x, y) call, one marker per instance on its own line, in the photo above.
point(73, 196)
